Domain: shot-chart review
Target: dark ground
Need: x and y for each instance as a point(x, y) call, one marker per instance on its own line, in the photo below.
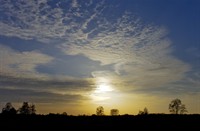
point(126, 122)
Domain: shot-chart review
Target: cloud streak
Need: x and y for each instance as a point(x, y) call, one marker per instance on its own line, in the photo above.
point(48, 84)
point(20, 95)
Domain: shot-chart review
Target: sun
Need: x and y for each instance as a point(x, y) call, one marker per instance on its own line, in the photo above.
point(103, 88)
point(103, 85)
point(102, 92)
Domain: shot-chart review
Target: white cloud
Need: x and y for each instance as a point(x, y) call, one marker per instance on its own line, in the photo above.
point(21, 64)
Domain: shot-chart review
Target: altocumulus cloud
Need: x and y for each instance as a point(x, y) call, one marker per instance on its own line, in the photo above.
point(141, 55)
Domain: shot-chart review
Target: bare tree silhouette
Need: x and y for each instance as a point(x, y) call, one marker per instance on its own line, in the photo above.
point(176, 107)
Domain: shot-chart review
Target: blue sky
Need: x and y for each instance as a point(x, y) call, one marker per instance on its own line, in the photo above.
point(126, 54)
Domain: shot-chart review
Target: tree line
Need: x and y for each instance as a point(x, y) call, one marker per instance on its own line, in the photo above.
point(175, 107)
point(26, 109)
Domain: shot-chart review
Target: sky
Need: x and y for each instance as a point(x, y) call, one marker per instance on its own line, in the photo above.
point(75, 55)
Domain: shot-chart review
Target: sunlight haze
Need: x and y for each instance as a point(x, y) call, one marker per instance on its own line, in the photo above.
point(75, 55)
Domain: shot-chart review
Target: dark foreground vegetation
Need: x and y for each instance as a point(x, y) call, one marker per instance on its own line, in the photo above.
point(128, 122)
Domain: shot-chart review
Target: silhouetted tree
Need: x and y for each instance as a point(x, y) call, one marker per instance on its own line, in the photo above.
point(64, 113)
point(27, 109)
point(9, 109)
point(176, 107)
point(32, 109)
point(100, 111)
point(144, 112)
point(24, 109)
point(114, 112)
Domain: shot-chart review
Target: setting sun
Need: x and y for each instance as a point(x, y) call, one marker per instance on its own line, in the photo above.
point(103, 88)
point(103, 85)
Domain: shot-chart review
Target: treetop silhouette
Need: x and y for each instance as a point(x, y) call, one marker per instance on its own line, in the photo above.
point(176, 107)
point(100, 111)
point(9, 109)
point(27, 109)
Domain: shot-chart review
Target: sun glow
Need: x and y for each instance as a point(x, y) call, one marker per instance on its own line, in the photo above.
point(103, 89)
point(103, 85)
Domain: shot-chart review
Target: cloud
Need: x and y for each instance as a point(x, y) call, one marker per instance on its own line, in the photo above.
point(47, 90)
point(31, 20)
point(41, 21)
point(49, 84)
point(141, 54)
point(19, 76)
point(21, 64)
point(19, 95)
point(189, 85)
point(70, 65)
point(18, 70)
